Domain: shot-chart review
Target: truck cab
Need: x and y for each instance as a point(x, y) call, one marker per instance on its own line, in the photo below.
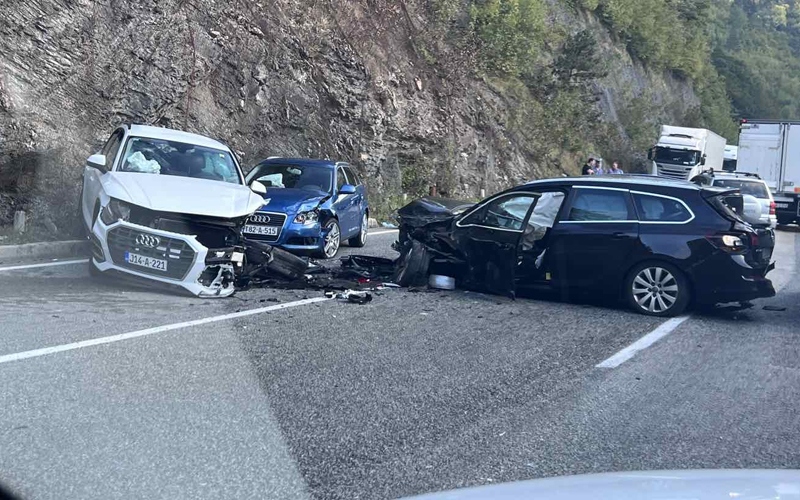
point(684, 153)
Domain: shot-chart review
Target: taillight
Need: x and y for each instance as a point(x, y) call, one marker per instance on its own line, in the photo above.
point(772, 208)
point(731, 243)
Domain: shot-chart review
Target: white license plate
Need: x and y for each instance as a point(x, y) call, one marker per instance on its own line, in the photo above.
point(262, 230)
point(148, 262)
point(781, 205)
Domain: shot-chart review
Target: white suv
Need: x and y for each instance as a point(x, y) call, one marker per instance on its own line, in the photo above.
point(168, 206)
point(750, 184)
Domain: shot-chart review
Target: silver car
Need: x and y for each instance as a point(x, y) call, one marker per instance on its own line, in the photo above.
point(752, 185)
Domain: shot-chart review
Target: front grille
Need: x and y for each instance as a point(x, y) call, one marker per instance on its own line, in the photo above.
point(673, 172)
point(178, 254)
point(270, 219)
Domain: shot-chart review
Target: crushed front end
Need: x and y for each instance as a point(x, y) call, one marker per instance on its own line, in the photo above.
point(200, 254)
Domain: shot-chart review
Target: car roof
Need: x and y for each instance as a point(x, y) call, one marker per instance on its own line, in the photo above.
point(738, 176)
point(302, 162)
point(629, 181)
point(169, 134)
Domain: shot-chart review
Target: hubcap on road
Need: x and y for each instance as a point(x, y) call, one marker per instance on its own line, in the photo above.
point(655, 289)
point(332, 240)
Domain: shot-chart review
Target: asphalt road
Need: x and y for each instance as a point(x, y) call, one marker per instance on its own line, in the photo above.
point(411, 393)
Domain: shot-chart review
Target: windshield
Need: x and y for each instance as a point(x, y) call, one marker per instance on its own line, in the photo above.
point(753, 188)
point(308, 177)
point(677, 156)
point(157, 156)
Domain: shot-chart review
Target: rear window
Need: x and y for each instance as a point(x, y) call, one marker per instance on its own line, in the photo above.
point(753, 188)
point(657, 209)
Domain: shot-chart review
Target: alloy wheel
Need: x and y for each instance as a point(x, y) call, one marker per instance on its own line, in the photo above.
point(655, 289)
point(364, 228)
point(332, 240)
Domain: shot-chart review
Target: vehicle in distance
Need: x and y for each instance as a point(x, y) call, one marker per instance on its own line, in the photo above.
point(771, 149)
point(311, 206)
point(167, 206)
point(747, 184)
point(658, 244)
point(656, 485)
point(683, 153)
point(731, 157)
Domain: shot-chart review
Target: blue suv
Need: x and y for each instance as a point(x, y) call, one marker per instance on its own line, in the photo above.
point(311, 206)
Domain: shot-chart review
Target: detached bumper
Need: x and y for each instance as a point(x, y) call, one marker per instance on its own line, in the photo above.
point(188, 264)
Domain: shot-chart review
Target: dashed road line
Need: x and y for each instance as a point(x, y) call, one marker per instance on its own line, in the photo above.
point(35, 353)
point(651, 338)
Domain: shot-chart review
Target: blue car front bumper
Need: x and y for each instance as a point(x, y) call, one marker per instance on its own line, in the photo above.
point(297, 238)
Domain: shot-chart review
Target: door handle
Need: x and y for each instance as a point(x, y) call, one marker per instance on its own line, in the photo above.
point(619, 235)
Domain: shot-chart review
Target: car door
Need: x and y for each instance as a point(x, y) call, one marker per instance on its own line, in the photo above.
point(92, 185)
point(359, 199)
point(488, 236)
point(596, 234)
point(344, 207)
point(533, 246)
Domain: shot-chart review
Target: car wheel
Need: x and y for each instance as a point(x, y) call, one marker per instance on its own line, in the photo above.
point(333, 239)
point(657, 289)
point(361, 238)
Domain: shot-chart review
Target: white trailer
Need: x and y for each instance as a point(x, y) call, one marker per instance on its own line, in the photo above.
point(731, 157)
point(684, 153)
point(771, 149)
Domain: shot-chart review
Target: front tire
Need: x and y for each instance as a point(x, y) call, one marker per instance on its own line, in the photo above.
point(360, 239)
point(332, 241)
point(657, 289)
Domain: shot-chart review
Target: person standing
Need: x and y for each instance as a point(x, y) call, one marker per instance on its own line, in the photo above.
point(615, 169)
point(599, 170)
point(588, 167)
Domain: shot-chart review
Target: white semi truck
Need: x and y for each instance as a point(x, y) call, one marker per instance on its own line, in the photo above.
point(771, 149)
point(684, 153)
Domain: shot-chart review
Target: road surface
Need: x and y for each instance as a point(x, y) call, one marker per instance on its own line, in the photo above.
point(109, 391)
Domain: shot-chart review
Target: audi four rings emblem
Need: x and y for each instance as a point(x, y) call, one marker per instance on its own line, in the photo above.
point(261, 219)
point(147, 240)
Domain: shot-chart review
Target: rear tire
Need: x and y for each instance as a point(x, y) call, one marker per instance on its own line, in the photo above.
point(657, 289)
point(360, 239)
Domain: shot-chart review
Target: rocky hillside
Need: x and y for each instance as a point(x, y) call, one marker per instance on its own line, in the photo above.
point(401, 89)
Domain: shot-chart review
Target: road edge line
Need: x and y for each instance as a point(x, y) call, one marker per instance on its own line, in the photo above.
point(44, 264)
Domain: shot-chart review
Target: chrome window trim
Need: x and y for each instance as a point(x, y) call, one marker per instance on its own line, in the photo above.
point(644, 193)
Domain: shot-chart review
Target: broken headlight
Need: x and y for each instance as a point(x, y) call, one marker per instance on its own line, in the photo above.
point(114, 211)
point(307, 218)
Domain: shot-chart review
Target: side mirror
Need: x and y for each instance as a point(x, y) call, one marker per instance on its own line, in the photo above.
point(258, 188)
point(650, 154)
point(97, 161)
point(347, 189)
point(703, 160)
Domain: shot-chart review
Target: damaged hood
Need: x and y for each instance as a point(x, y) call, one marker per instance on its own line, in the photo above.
point(183, 195)
point(291, 201)
point(431, 209)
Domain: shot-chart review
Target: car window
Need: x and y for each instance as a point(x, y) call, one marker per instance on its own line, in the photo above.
point(658, 209)
point(307, 177)
point(352, 177)
point(161, 157)
point(600, 205)
point(341, 179)
point(111, 148)
point(751, 187)
point(506, 212)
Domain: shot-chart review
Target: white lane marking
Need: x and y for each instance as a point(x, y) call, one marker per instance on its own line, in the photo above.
point(45, 264)
point(376, 233)
point(643, 343)
point(150, 331)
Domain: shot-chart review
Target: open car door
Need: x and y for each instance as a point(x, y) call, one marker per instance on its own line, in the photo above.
point(489, 237)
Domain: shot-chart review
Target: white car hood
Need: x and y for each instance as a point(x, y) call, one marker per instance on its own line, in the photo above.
point(183, 195)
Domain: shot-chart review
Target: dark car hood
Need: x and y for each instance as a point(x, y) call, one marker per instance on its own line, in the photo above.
point(289, 200)
point(430, 209)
